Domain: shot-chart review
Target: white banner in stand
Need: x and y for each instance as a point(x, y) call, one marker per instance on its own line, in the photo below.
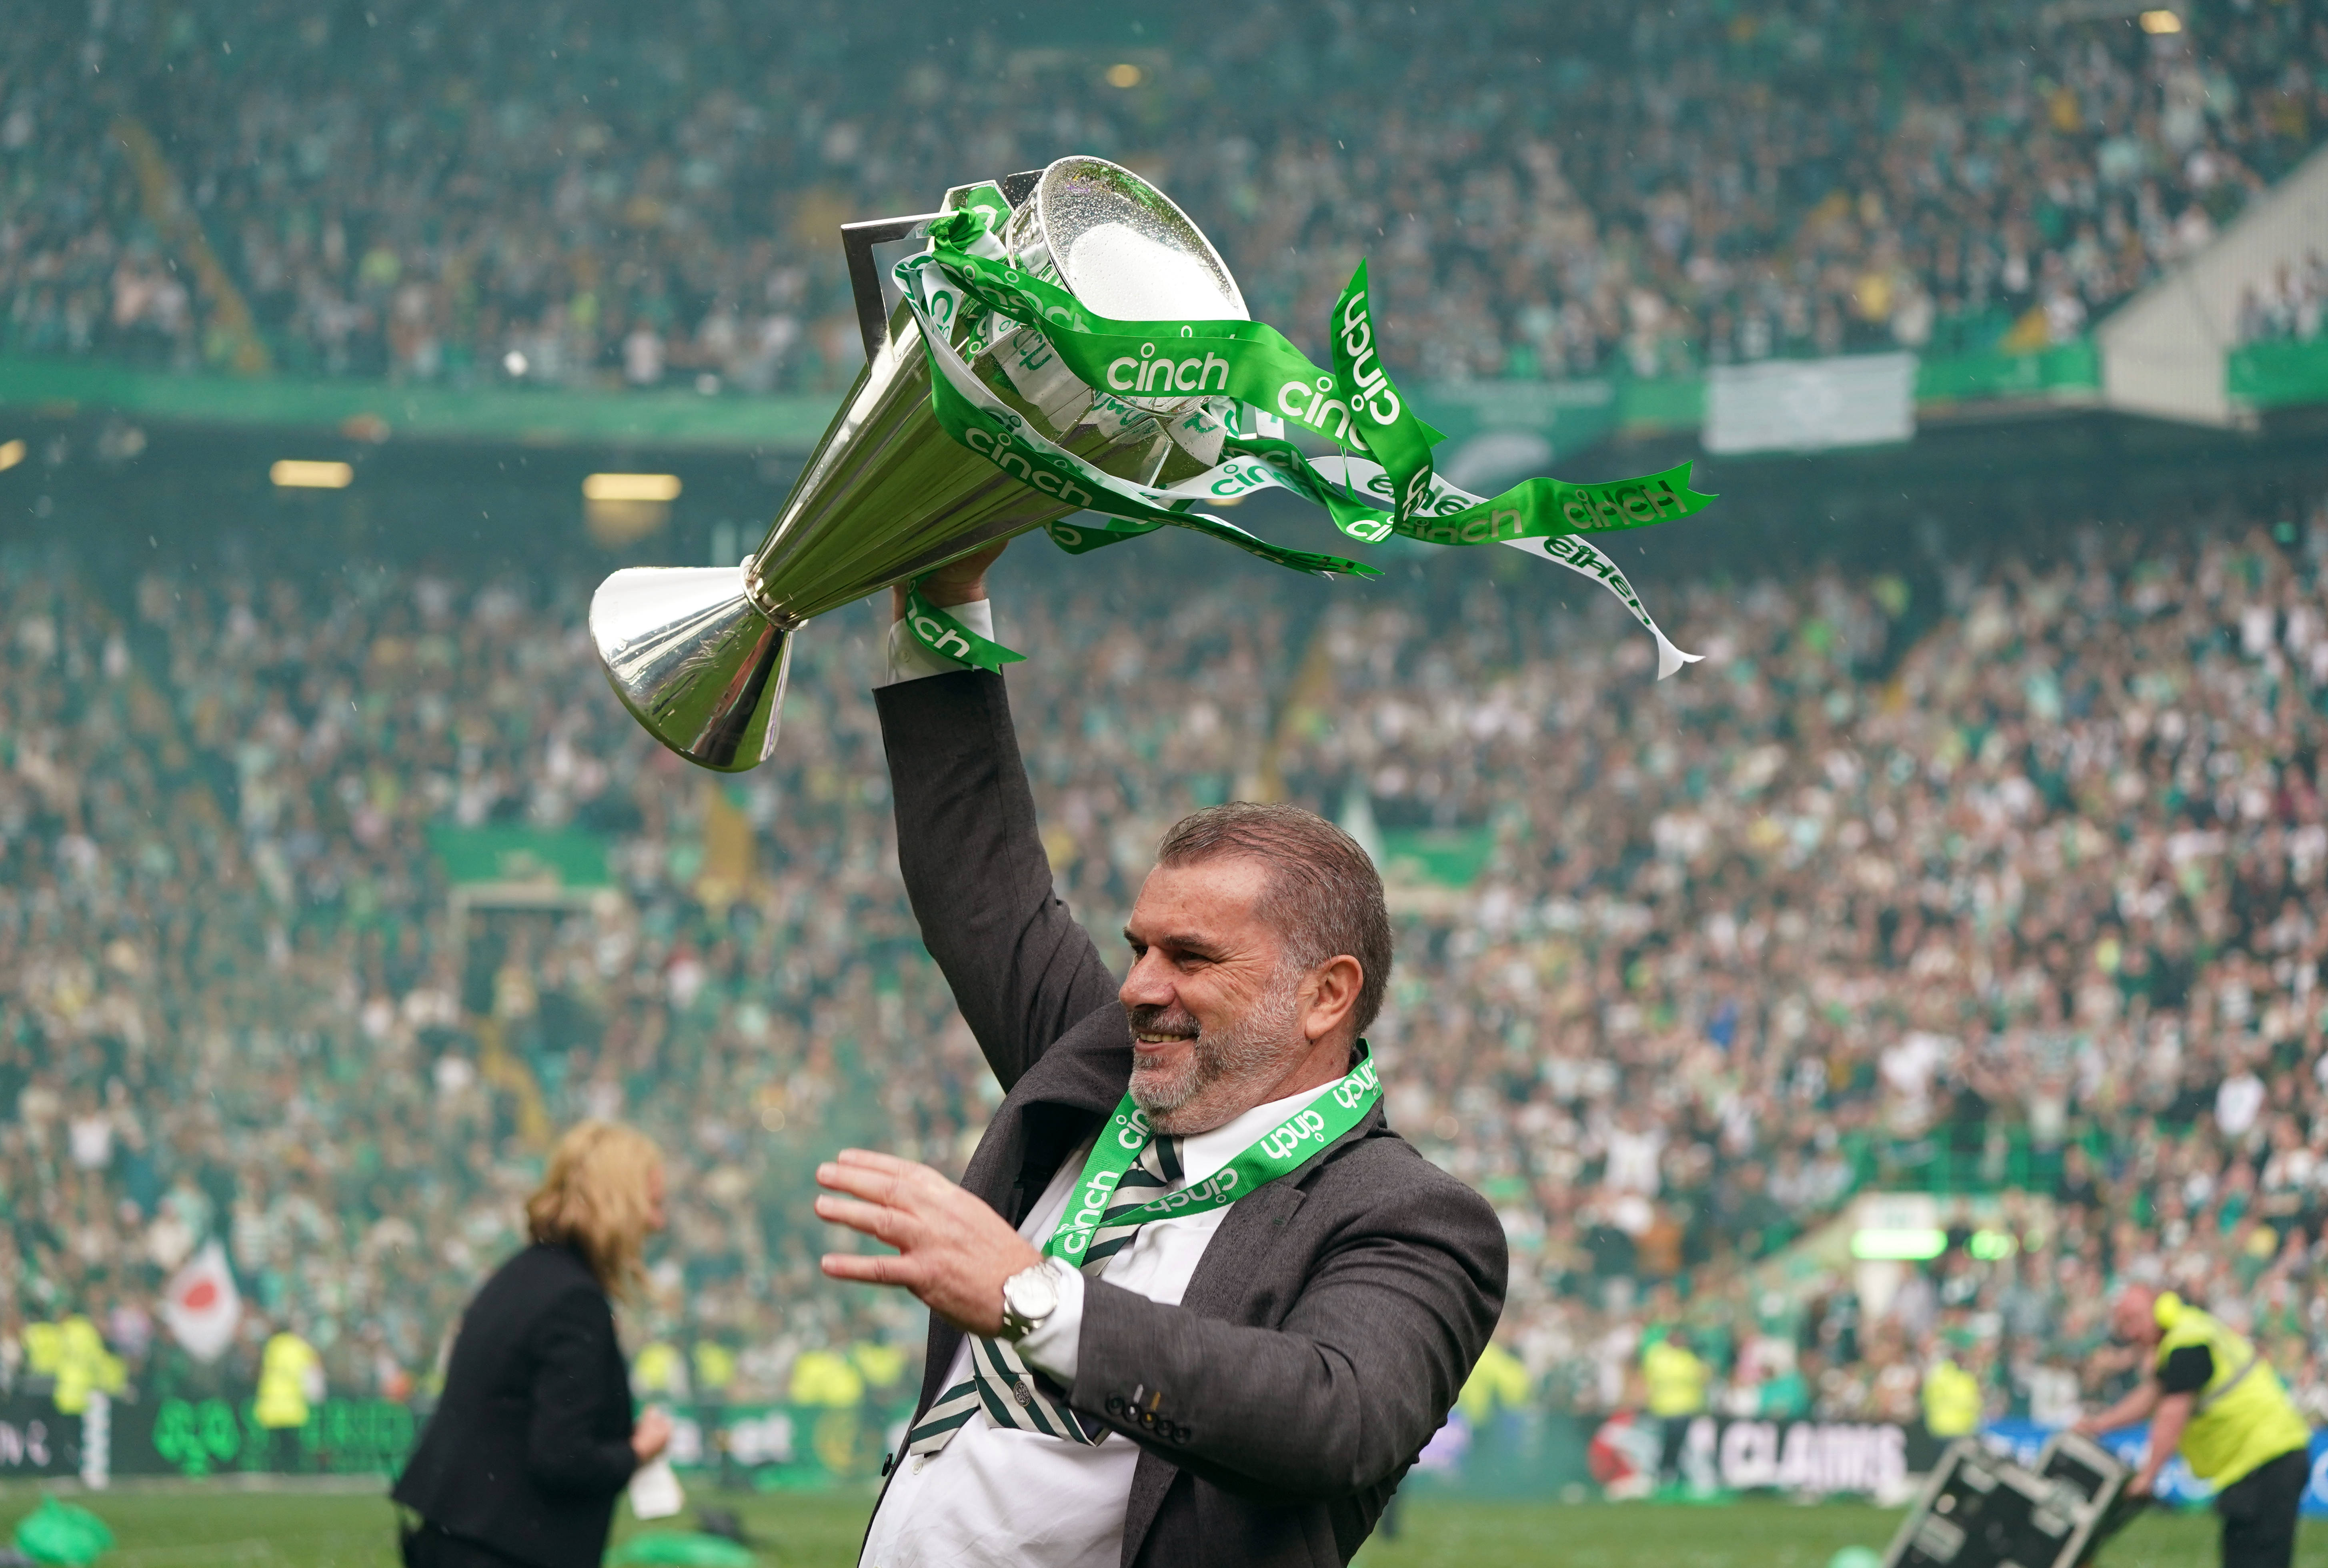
point(202, 1309)
point(1811, 405)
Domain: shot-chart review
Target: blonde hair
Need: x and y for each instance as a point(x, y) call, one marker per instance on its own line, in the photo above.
point(595, 1198)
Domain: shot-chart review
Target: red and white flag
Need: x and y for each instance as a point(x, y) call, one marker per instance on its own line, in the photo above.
point(203, 1308)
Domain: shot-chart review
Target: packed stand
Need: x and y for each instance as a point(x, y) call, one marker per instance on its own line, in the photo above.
point(2028, 917)
point(433, 190)
point(1999, 878)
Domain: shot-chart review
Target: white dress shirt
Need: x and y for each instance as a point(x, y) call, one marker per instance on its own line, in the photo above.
point(906, 658)
point(999, 1497)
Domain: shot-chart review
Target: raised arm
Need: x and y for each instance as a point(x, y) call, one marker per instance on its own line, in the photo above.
point(1022, 970)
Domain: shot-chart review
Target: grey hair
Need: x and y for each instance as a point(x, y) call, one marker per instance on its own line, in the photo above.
point(1325, 897)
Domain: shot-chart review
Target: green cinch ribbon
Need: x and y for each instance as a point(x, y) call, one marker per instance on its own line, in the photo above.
point(1281, 1150)
point(1254, 382)
point(944, 633)
point(1393, 432)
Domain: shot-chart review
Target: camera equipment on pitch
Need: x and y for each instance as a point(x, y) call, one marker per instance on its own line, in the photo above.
point(1982, 1510)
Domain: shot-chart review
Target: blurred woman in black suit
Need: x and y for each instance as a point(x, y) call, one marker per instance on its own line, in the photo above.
point(533, 1440)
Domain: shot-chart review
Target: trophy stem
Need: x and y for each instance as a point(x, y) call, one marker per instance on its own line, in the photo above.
point(695, 661)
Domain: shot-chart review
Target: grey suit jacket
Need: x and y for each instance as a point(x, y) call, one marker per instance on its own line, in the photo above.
point(1336, 1311)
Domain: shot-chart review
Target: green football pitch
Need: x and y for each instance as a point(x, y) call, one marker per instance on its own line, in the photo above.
point(217, 1528)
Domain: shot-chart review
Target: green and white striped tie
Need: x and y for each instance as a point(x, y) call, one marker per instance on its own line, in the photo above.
point(1000, 1383)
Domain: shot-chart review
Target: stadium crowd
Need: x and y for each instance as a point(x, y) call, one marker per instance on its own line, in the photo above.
point(2289, 307)
point(588, 194)
point(1999, 875)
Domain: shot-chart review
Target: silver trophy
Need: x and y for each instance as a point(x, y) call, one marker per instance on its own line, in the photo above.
point(699, 654)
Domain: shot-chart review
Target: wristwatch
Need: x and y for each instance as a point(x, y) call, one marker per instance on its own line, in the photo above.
point(1030, 1297)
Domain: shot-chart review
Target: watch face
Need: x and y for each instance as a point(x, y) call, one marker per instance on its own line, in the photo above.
point(1031, 1293)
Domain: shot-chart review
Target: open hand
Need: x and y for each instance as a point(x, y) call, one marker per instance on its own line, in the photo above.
point(953, 1251)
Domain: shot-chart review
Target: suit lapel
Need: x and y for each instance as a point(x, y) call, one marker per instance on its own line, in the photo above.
point(1234, 1261)
point(1047, 1113)
point(1087, 1067)
point(1238, 1257)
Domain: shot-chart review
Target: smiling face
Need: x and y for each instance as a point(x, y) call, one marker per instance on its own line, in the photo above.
point(1217, 1024)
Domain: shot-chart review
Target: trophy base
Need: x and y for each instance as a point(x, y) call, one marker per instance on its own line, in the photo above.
point(694, 660)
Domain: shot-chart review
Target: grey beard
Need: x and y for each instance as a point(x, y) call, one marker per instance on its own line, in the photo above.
point(1227, 1059)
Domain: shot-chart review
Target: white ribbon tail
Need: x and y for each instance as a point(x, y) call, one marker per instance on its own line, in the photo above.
point(1580, 555)
point(1576, 553)
point(1670, 658)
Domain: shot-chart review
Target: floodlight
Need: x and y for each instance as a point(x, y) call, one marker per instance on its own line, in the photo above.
point(630, 487)
point(302, 473)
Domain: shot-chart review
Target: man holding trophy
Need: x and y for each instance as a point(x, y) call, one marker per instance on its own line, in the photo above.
point(1193, 1300)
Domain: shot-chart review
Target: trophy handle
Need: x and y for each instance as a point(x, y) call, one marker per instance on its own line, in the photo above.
point(858, 240)
point(1017, 188)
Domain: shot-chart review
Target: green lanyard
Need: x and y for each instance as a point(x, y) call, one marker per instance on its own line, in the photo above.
point(1338, 1107)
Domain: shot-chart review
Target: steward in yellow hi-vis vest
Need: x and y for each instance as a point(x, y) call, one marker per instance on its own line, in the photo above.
point(73, 1355)
point(1952, 1400)
point(1673, 1376)
point(290, 1380)
point(2212, 1395)
point(287, 1371)
point(2241, 1418)
point(1676, 1377)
